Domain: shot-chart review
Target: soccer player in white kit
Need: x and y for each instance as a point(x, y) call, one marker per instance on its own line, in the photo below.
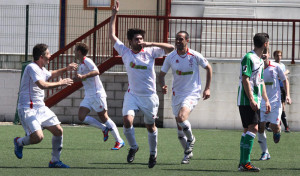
point(272, 74)
point(141, 93)
point(95, 96)
point(277, 57)
point(186, 89)
point(33, 113)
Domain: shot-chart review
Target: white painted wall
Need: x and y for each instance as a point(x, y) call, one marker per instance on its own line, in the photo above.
point(218, 112)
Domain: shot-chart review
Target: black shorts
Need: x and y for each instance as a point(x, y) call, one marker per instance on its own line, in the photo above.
point(249, 116)
point(283, 95)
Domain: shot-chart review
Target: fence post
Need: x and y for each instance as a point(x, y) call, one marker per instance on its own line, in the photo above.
point(94, 36)
point(293, 43)
point(26, 33)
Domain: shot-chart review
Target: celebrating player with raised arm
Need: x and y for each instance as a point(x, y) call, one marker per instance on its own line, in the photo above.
point(141, 94)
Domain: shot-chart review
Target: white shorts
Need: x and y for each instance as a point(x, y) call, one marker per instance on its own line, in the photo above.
point(180, 101)
point(148, 105)
point(37, 118)
point(273, 117)
point(96, 102)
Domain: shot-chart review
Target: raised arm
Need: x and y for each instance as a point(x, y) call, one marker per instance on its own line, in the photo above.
point(165, 46)
point(112, 23)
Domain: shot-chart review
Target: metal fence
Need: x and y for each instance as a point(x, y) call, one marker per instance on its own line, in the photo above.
point(44, 25)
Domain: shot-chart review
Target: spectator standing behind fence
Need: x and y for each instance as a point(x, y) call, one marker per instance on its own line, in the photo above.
point(141, 93)
point(251, 89)
point(278, 56)
point(33, 113)
point(186, 89)
point(272, 74)
point(95, 96)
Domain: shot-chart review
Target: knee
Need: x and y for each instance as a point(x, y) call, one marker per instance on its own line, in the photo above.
point(127, 122)
point(36, 138)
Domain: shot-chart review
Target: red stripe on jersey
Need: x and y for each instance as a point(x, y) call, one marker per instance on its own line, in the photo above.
point(83, 59)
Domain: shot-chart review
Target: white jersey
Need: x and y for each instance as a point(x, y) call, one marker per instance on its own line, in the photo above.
point(140, 68)
point(185, 70)
point(92, 85)
point(30, 95)
point(271, 75)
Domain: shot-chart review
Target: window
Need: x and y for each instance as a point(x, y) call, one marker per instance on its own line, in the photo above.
point(100, 4)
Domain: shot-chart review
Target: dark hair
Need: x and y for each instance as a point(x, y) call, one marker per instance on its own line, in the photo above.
point(82, 47)
point(277, 52)
point(260, 38)
point(132, 32)
point(39, 50)
point(187, 36)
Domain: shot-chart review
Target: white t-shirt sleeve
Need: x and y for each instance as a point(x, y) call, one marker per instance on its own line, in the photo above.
point(157, 52)
point(166, 65)
point(36, 75)
point(201, 60)
point(90, 64)
point(120, 48)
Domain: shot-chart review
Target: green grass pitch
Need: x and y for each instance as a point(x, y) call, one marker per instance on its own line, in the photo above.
point(216, 152)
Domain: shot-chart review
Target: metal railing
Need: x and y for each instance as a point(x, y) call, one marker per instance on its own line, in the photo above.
point(213, 37)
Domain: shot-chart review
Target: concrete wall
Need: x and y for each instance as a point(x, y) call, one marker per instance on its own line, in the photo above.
point(218, 112)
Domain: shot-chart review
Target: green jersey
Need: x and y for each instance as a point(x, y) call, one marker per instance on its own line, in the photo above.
point(253, 67)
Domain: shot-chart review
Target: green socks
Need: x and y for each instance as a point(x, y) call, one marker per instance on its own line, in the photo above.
point(247, 148)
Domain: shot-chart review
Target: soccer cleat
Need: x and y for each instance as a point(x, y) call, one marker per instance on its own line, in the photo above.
point(287, 130)
point(265, 156)
point(105, 134)
point(18, 149)
point(118, 145)
point(58, 164)
point(152, 161)
point(241, 168)
point(276, 137)
point(249, 167)
point(131, 154)
point(189, 146)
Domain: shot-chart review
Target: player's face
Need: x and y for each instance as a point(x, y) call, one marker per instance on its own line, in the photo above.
point(76, 52)
point(137, 38)
point(46, 57)
point(181, 41)
point(278, 57)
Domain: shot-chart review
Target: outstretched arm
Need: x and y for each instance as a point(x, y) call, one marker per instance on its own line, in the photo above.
point(56, 73)
point(112, 23)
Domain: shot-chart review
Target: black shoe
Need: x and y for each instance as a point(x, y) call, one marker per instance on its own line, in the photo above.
point(152, 161)
point(287, 130)
point(250, 168)
point(131, 154)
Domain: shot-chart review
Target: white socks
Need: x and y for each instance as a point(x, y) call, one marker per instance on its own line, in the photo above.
point(186, 126)
point(152, 140)
point(182, 138)
point(114, 130)
point(57, 143)
point(130, 136)
point(93, 122)
point(24, 141)
point(262, 140)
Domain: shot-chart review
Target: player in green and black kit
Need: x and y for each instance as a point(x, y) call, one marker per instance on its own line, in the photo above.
point(251, 90)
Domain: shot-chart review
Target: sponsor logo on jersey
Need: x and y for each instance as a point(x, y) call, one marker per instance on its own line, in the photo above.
point(132, 65)
point(184, 73)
